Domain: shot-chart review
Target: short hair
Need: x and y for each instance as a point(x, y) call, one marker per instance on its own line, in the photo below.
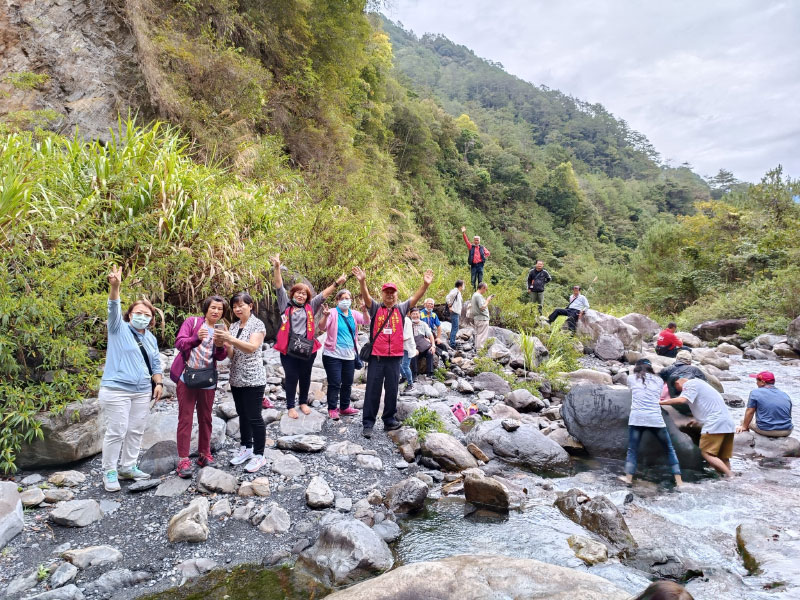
point(207, 303)
point(539, 260)
point(483, 285)
point(127, 315)
point(672, 325)
point(431, 299)
point(300, 286)
point(664, 590)
point(341, 293)
point(576, 286)
point(413, 309)
point(241, 297)
point(459, 283)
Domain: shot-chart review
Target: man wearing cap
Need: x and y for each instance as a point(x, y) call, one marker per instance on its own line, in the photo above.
point(476, 258)
point(386, 335)
point(771, 407)
point(708, 408)
point(667, 343)
point(577, 305)
point(682, 367)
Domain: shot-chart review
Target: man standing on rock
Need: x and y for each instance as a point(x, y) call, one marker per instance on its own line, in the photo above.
point(771, 407)
point(538, 277)
point(667, 343)
point(577, 305)
point(480, 314)
point(386, 336)
point(708, 408)
point(476, 258)
point(455, 303)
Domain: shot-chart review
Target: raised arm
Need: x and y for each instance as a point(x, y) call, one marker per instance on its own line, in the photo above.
point(114, 310)
point(332, 287)
point(359, 274)
point(276, 265)
point(466, 239)
point(427, 279)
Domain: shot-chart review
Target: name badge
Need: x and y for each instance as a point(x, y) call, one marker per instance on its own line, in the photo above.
point(284, 319)
point(387, 331)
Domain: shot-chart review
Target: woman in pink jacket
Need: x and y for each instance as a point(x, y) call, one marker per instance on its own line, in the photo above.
point(339, 356)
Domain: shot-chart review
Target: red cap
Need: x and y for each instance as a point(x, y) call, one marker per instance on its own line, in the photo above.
point(389, 286)
point(765, 376)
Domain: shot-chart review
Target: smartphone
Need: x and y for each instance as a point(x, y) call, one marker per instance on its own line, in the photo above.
point(219, 326)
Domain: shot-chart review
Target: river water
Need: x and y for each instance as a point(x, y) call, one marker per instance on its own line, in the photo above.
point(698, 525)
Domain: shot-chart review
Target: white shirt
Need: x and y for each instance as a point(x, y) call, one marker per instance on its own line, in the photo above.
point(455, 300)
point(708, 407)
point(579, 302)
point(408, 338)
point(645, 410)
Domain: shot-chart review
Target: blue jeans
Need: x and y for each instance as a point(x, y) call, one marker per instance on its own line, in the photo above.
point(405, 368)
point(476, 274)
point(340, 380)
point(634, 439)
point(454, 318)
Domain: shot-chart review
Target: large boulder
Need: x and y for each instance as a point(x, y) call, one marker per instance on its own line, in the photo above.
point(406, 496)
point(505, 336)
point(525, 446)
point(72, 435)
point(11, 520)
point(711, 330)
point(689, 339)
point(646, 326)
point(593, 324)
point(346, 550)
point(448, 452)
point(486, 491)
point(523, 400)
point(473, 577)
point(793, 334)
point(753, 445)
point(597, 416)
point(769, 553)
point(609, 347)
point(589, 376)
point(492, 382)
point(162, 426)
point(599, 515)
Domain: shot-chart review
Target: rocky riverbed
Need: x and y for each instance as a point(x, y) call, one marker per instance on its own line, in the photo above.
point(512, 482)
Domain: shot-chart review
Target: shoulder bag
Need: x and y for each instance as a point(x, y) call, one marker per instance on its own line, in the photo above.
point(201, 378)
point(299, 345)
point(366, 349)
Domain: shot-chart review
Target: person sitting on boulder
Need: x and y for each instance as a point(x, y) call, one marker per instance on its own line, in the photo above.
point(771, 407)
point(708, 409)
point(646, 416)
point(476, 258)
point(429, 317)
point(424, 341)
point(682, 367)
point(667, 343)
point(577, 305)
point(538, 277)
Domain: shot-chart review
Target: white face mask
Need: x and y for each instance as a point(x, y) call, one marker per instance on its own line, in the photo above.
point(344, 304)
point(140, 321)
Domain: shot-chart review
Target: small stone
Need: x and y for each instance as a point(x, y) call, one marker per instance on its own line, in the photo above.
point(477, 452)
point(510, 424)
point(389, 531)
point(588, 550)
point(32, 497)
point(92, 556)
point(375, 497)
point(174, 486)
point(76, 513)
point(191, 523)
point(343, 504)
point(58, 495)
point(213, 480)
point(276, 521)
point(369, 462)
point(260, 486)
point(67, 478)
point(65, 573)
point(302, 443)
point(319, 493)
point(289, 466)
point(407, 496)
point(145, 484)
point(31, 480)
point(221, 508)
point(195, 567)
point(243, 513)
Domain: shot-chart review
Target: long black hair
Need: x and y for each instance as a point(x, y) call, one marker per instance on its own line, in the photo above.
point(642, 368)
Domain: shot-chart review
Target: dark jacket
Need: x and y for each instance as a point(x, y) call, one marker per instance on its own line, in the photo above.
point(680, 370)
point(538, 279)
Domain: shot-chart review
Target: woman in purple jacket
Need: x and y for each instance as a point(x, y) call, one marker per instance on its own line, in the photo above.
point(339, 354)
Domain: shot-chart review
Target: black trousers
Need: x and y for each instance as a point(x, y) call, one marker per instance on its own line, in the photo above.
point(251, 426)
point(670, 353)
point(340, 381)
point(383, 373)
point(570, 313)
point(428, 363)
point(298, 375)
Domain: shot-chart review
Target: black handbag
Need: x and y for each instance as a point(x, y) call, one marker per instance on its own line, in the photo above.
point(423, 344)
point(299, 345)
point(366, 349)
point(200, 378)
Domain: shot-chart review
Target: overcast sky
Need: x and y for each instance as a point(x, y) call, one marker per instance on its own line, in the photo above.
point(715, 83)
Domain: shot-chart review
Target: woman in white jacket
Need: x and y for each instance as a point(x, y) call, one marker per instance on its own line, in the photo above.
point(409, 352)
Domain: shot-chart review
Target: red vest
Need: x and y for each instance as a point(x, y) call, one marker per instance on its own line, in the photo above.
point(388, 344)
point(283, 333)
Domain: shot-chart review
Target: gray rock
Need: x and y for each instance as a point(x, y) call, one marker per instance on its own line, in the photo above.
point(72, 435)
point(753, 445)
point(583, 376)
point(464, 386)
point(711, 330)
point(407, 441)
point(448, 452)
point(160, 459)
point(64, 573)
point(485, 491)
point(143, 485)
point(729, 349)
point(54, 495)
point(491, 382)
point(92, 556)
point(524, 401)
point(510, 424)
point(345, 450)
point(369, 461)
point(769, 553)
point(270, 415)
point(343, 504)
point(594, 324)
point(191, 523)
point(161, 426)
point(289, 466)
point(389, 531)
point(31, 480)
point(195, 567)
point(22, 583)
point(733, 400)
point(243, 513)
point(599, 515)
point(277, 520)
point(302, 443)
point(76, 513)
point(174, 486)
point(793, 334)
point(221, 508)
point(646, 326)
point(110, 583)
point(32, 497)
point(68, 592)
point(212, 480)
point(67, 478)
point(406, 496)
point(310, 423)
point(227, 410)
point(784, 351)
point(319, 493)
point(588, 550)
point(609, 347)
point(526, 446)
point(485, 576)
point(232, 428)
point(346, 550)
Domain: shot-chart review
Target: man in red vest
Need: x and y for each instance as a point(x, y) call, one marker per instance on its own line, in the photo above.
point(667, 343)
point(386, 335)
point(476, 259)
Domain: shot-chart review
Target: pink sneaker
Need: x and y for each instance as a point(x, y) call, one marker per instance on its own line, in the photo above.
point(205, 460)
point(333, 414)
point(265, 403)
point(349, 411)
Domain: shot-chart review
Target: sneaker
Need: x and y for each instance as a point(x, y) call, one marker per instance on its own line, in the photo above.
point(265, 403)
point(392, 425)
point(111, 481)
point(256, 463)
point(348, 412)
point(367, 432)
point(133, 473)
point(184, 469)
point(241, 456)
point(205, 460)
point(333, 414)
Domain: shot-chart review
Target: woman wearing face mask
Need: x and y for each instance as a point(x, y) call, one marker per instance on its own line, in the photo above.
point(248, 380)
point(339, 354)
point(297, 315)
point(132, 363)
point(201, 344)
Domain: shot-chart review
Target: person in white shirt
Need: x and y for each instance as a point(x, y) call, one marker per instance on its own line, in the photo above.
point(646, 416)
point(578, 304)
point(409, 352)
point(708, 408)
point(455, 303)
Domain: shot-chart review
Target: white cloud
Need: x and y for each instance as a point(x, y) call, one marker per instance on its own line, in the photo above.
point(715, 83)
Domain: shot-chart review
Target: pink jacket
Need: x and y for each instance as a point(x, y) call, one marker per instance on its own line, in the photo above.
point(187, 340)
point(332, 326)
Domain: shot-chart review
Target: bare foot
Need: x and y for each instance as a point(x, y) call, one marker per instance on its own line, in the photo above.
point(305, 409)
point(293, 413)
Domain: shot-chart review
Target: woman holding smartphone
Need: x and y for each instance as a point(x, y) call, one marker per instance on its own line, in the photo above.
point(200, 343)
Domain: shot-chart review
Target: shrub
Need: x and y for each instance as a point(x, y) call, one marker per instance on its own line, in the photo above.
point(425, 421)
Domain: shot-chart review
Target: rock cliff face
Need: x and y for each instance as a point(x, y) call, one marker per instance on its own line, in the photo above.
point(89, 55)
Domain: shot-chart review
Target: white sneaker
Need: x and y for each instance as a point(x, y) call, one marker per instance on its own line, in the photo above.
point(256, 463)
point(111, 481)
point(242, 456)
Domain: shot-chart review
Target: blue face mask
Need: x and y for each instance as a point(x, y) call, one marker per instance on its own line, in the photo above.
point(140, 321)
point(344, 304)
